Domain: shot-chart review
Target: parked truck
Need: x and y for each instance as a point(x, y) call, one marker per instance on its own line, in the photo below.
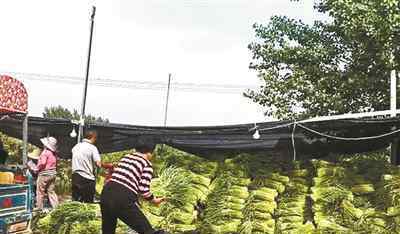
point(16, 201)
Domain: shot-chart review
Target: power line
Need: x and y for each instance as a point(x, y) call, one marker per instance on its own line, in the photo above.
point(148, 85)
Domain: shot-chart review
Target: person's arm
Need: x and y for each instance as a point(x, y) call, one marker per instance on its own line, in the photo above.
point(31, 166)
point(107, 166)
point(144, 183)
point(144, 186)
point(96, 157)
point(42, 161)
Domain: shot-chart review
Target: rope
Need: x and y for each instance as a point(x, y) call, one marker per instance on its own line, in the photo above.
point(323, 134)
point(275, 127)
point(349, 138)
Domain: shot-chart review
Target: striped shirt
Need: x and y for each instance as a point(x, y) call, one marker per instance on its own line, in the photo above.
point(135, 173)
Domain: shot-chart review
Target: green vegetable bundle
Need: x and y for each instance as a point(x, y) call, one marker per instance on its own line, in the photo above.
point(176, 158)
point(182, 189)
point(224, 205)
point(66, 216)
point(362, 189)
point(258, 212)
point(292, 205)
point(269, 183)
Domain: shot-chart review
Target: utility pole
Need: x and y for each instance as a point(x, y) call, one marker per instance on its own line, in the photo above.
point(166, 103)
point(82, 116)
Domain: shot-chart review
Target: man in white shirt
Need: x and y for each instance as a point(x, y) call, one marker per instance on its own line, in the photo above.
point(85, 159)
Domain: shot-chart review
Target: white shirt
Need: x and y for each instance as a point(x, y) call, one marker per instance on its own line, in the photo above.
point(84, 155)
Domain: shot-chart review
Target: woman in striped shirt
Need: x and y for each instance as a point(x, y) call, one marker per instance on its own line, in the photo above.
point(130, 179)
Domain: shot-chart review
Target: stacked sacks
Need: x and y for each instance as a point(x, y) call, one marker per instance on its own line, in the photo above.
point(292, 208)
point(224, 205)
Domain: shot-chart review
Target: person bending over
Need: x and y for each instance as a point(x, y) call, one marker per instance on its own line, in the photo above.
point(130, 179)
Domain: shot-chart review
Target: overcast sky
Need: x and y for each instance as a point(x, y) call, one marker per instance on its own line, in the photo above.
point(202, 41)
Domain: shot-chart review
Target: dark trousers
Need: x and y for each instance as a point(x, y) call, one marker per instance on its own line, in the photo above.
point(83, 190)
point(118, 202)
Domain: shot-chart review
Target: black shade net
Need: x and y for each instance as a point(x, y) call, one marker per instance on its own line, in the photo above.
point(275, 137)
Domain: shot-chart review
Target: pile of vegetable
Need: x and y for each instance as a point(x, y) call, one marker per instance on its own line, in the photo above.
point(223, 208)
point(293, 215)
point(257, 193)
point(261, 205)
point(348, 195)
point(178, 214)
point(184, 179)
point(73, 218)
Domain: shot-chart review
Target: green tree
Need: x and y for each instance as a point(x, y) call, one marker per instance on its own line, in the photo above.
point(336, 66)
point(64, 113)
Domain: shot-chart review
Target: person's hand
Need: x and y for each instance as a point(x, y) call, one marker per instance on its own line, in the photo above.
point(107, 165)
point(158, 200)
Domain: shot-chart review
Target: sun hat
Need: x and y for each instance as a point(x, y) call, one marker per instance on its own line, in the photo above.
point(50, 143)
point(34, 154)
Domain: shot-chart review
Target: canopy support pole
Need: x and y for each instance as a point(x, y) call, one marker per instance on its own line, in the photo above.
point(25, 140)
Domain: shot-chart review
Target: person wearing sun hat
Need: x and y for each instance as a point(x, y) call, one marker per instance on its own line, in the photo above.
point(46, 169)
point(34, 155)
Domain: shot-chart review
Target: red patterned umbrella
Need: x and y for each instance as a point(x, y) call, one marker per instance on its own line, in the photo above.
point(13, 96)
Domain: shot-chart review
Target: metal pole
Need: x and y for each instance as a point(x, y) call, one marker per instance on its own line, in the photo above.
point(393, 94)
point(25, 140)
point(81, 122)
point(166, 104)
point(394, 147)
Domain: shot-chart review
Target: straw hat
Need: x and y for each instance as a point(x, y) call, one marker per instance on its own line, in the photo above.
point(34, 154)
point(50, 143)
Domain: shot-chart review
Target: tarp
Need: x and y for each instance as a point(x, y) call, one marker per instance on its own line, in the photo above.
point(276, 138)
point(13, 96)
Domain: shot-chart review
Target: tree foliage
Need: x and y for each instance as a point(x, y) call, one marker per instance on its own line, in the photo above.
point(14, 148)
point(64, 113)
point(336, 66)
